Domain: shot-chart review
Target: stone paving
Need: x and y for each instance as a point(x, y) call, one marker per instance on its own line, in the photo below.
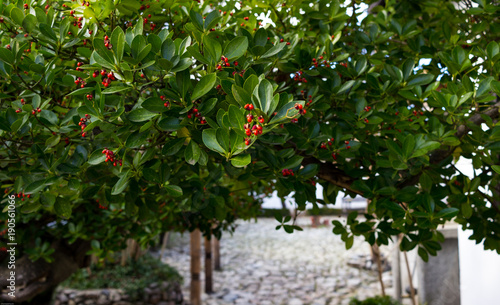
point(268, 267)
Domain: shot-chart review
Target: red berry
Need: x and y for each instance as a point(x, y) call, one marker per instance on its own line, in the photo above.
point(142, 75)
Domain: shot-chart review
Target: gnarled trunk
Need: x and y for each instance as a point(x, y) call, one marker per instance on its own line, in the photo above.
point(33, 278)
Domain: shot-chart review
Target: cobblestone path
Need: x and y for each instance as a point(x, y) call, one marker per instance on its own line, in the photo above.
point(264, 266)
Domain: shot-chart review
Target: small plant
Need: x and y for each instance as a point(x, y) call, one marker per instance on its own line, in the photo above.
point(378, 300)
point(132, 278)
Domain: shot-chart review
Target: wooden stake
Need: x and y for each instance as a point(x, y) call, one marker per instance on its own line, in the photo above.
point(412, 290)
point(208, 266)
point(216, 254)
point(376, 255)
point(195, 267)
point(164, 244)
point(396, 270)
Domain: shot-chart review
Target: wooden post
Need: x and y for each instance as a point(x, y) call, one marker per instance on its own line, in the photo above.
point(396, 271)
point(164, 244)
point(195, 267)
point(216, 254)
point(208, 266)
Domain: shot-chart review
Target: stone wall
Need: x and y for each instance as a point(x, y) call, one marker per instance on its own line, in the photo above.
point(156, 294)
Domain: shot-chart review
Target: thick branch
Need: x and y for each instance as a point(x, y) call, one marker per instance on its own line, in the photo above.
point(332, 174)
point(462, 130)
point(36, 277)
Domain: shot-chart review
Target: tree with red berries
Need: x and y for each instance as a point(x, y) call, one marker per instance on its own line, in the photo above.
point(125, 119)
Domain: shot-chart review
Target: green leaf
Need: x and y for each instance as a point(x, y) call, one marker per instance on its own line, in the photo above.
point(154, 104)
point(264, 94)
point(29, 23)
point(293, 162)
point(423, 254)
point(196, 19)
point(192, 153)
point(173, 146)
point(349, 242)
point(286, 112)
point(6, 56)
point(236, 48)
point(140, 115)
point(115, 89)
point(170, 124)
point(17, 15)
point(121, 184)
point(136, 139)
point(173, 190)
point(496, 168)
point(97, 157)
point(35, 187)
point(210, 140)
point(484, 86)
point(346, 86)
point(408, 146)
point(236, 117)
point(63, 208)
point(425, 148)
point(206, 83)
point(241, 160)
point(447, 213)
point(274, 50)
point(408, 66)
point(421, 79)
point(81, 91)
point(118, 43)
point(222, 135)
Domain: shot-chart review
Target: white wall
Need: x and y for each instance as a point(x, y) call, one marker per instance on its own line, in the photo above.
point(479, 272)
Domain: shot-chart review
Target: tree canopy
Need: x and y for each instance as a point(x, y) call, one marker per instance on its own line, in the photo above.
point(121, 119)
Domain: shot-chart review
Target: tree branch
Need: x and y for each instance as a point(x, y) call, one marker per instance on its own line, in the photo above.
point(332, 174)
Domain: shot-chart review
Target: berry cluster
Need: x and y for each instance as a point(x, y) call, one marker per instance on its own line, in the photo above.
point(83, 124)
point(367, 108)
point(248, 107)
point(110, 156)
point(35, 111)
point(78, 21)
point(251, 128)
point(78, 65)
point(316, 63)
point(223, 63)
point(22, 196)
point(330, 143)
point(300, 108)
point(80, 81)
point(101, 206)
point(298, 77)
point(89, 97)
point(107, 43)
point(287, 172)
point(167, 103)
point(107, 77)
point(194, 111)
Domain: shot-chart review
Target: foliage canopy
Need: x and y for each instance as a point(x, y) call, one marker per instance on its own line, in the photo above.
point(142, 116)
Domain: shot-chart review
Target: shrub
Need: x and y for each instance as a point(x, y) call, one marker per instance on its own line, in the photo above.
point(132, 278)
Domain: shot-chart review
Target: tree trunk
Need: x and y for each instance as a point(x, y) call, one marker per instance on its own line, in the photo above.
point(33, 278)
point(208, 266)
point(195, 267)
point(216, 254)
